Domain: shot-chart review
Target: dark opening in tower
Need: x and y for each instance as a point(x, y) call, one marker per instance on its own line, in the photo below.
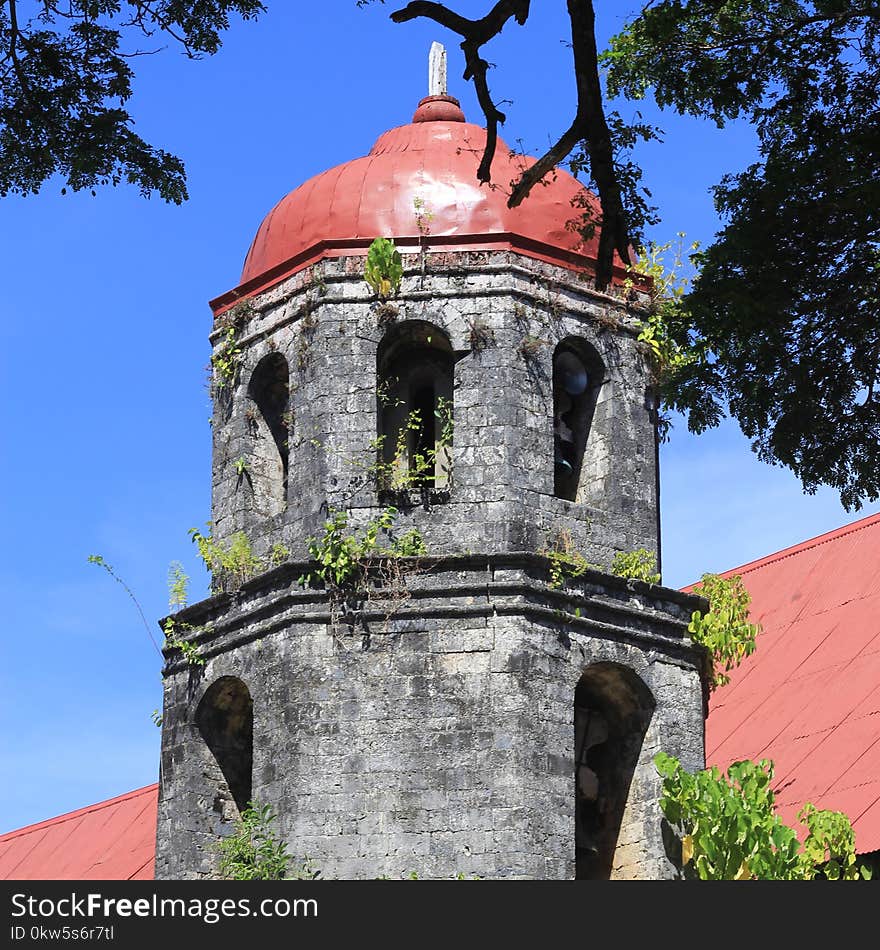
point(578, 374)
point(612, 711)
point(269, 431)
point(225, 720)
point(414, 380)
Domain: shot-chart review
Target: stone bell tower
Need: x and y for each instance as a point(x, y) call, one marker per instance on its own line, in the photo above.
point(466, 709)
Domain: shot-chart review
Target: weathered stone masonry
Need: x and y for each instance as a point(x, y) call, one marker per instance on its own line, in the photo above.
point(327, 325)
point(437, 736)
point(441, 743)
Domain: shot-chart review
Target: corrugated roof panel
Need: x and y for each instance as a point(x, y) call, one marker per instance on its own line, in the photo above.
point(788, 761)
point(848, 636)
point(111, 840)
point(866, 769)
point(817, 665)
point(870, 818)
point(820, 711)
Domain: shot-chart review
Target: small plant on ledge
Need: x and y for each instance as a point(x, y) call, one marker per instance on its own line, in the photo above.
point(640, 565)
point(384, 268)
point(231, 565)
point(344, 560)
point(178, 583)
point(428, 471)
point(174, 640)
point(278, 554)
point(565, 560)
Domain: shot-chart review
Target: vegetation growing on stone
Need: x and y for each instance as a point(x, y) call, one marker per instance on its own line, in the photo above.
point(384, 268)
point(640, 565)
point(343, 557)
point(226, 358)
point(407, 471)
point(175, 640)
point(278, 554)
point(231, 564)
point(567, 562)
point(564, 565)
point(178, 586)
point(178, 583)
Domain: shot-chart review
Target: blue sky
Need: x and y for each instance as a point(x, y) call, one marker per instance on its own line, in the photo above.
point(106, 443)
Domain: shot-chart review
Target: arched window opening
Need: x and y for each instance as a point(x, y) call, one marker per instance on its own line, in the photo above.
point(225, 720)
point(578, 374)
point(268, 422)
point(612, 711)
point(414, 380)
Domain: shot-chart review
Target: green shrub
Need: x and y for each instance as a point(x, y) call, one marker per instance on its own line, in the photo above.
point(729, 829)
point(640, 565)
point(253, 853)
point(725, 629)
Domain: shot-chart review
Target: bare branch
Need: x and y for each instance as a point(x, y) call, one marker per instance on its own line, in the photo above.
point(475, 34)
point(590, 125)
point(14, 37)
point(436, 12)
point(613, 234)
point(546, 163)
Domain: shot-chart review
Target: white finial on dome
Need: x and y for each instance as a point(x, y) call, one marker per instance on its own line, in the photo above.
point(437, 70)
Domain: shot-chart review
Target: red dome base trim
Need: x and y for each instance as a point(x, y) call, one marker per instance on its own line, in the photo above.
point(352, 247)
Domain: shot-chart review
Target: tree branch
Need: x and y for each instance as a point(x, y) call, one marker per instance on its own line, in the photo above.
point(613, 233)
point(549, 160)
point(14, 35)
point(589, 123)
point(475, 33)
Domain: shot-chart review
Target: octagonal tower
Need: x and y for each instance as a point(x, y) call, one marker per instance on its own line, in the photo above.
point(469, 709)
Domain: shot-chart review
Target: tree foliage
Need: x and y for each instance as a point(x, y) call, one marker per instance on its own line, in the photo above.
point(730, 831)
point(65, 78)
point(784, 310)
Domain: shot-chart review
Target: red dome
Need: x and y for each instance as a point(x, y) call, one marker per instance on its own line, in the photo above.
point(430, 167)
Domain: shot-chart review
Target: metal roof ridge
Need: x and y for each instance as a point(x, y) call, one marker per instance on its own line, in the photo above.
point(832, 535)
point(76, 813)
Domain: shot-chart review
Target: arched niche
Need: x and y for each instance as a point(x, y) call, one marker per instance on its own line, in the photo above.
point(225, 720)
point(414, 385)
point(612, 712)
point(268, 399)
point(578, 376)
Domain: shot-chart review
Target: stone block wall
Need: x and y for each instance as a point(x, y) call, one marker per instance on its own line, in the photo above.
point(504, 314)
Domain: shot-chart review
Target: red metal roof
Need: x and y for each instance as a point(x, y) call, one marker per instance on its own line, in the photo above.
point(432, 161)
point(113, 840)
point(809, 696)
